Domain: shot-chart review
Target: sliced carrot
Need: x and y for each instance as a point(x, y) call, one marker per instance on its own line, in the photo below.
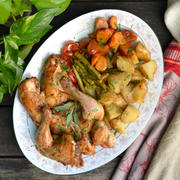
point(83, 43)
point(95, 47)
point(116, 39)
point(125, 48)
point(103, 35)
point(101, 23)
point(113, 22)
point(99, 61)
point(129, 36)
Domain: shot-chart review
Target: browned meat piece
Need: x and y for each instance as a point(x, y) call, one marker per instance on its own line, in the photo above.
point(43, 136)
point(102, 135)
point(52, 72)
point(29, 95)
point(65, 151)
point(91, 108)
point(85, 146)
point(58, 123)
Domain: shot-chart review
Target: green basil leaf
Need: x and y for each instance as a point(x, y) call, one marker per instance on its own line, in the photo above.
point(19, 7)
point(23, 53)
point(7, 77)
point(44, 4)
point(69, 118)
point(30, 29)
point(11, 50)
point(3, 90)
point(5, 7)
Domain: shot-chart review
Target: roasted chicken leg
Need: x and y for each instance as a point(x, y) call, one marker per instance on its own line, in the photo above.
point(50, 85)
point(30, 97)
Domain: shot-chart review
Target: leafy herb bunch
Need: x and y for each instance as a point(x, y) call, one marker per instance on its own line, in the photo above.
point(24, 32)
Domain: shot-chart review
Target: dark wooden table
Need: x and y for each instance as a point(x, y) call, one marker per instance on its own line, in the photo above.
point(13, 164)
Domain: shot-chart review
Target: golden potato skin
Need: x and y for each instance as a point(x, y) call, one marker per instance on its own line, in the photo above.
point(29, 96)
point(148, 69)
point(127, 93)
point(130, 114)
point(137, 76)
point(119, 81)
point(112, 111)
point(125, 64)
point(132, 55)
point(139, 91)
point(120, 102)
point(142, 52)
point(50, 84)
point(118, 125)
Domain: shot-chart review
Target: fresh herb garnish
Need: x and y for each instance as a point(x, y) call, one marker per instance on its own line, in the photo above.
point(129, 48)
point(64, 68)
point(57, 83)
point(115, 132)
point(60, 127)
point(95, 120)
point(69, 118)
point(84, 129)
point(95, 110)
point(112, 83)
point(102, 45)
point(64, 106)
point(51, 84)
point(53, 148)
point(60, 139)
point(119, 111)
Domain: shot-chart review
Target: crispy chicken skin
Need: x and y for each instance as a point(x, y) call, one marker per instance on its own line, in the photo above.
point(52, 71)
point(85, 146)
point(65, 150)
point(91, 108)
point(43, 136)
point(29, 96)
point(58, 123)
point(102, 135)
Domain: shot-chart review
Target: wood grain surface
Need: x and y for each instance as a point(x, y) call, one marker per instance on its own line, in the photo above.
point(13, 165)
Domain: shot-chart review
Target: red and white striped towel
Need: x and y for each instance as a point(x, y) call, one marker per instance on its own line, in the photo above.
point(138, 156)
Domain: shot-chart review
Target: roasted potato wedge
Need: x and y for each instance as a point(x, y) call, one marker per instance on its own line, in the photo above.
point(127, 93)
point(137, 76)
point(125, 64)
point(130, 114)
point(112, 111)
point(119, 81)
point(108, 97)
point(142, 52)
point(120, 102)
point(132, 55)
point(118, 125)
point(139, 91)
point(148, 69)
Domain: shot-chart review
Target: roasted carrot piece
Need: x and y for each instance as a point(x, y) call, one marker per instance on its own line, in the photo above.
point(95, 47)
point(116, 39)
point(125, 48)
point(101, 23)
point(103, 35)
point(104, 50)
point(83, 43)
point(129, 36)
point(113, 22)
point(99, 61)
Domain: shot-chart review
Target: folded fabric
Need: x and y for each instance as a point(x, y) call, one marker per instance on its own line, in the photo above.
point(138, 156)
point(165, 164)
